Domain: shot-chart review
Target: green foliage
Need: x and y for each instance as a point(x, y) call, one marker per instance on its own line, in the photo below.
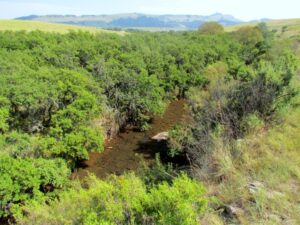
point(211, 28)
point(24, 179)
point(54, 88)
point(59, 104)
point(53, 85)
point(284, 29)
point(178, 136)
point(234, 104)
point(76, 145)
point(157, 173)
point(132, 94)
point(18, 144)
point(271, 157)
point(253, 41)
point(4, 114)
point(124, 200)
point(251, 123)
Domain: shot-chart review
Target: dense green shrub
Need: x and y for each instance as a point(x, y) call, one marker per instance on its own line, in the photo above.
point(51, 102)
point(124, 200)
point(22, 180)
point(4, 114)
point(256, 42)
point(55, 85)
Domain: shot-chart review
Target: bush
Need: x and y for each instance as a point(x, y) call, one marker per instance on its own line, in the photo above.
point(251, 123)
point(22, 180)
point(124, 200)
point(230, 108)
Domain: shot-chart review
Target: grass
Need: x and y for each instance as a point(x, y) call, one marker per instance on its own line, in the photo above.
point(286, 28)
point(283, 28)
point(17, 25)
point(270, 157)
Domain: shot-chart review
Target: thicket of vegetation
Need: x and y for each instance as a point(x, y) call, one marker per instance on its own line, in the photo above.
point(230, 142)
point(62, 94)
point(125, 200)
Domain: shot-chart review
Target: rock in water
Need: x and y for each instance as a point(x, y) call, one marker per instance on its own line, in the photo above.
point(163, 136)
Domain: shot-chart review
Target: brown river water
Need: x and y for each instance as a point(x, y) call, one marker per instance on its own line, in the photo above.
point(126, 151)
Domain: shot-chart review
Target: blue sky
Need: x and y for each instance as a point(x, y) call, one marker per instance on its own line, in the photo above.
point(242, 9)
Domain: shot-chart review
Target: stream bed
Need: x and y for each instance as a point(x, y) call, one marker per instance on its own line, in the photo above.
point(126, 151)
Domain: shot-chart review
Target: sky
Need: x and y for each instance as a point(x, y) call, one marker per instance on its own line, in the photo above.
point(242, 9)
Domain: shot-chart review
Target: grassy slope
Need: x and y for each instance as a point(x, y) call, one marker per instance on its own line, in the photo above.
point(271, 157)
point(16, 25)
point(293, 27)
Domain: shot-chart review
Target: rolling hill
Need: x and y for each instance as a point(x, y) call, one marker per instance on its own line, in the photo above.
point(283, 28)
point(139, 21)
point(44, 26)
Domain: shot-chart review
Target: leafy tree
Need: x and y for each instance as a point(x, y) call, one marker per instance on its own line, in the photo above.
point(211, 28)
point(252, 40)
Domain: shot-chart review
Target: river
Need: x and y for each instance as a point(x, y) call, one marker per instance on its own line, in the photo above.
point(126, 151)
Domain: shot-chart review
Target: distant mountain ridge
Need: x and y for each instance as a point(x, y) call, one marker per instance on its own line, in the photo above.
point(137, 20)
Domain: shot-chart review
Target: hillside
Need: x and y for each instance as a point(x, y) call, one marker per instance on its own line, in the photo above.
point(135, 20)
point(282, 28)
point(16, 25)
